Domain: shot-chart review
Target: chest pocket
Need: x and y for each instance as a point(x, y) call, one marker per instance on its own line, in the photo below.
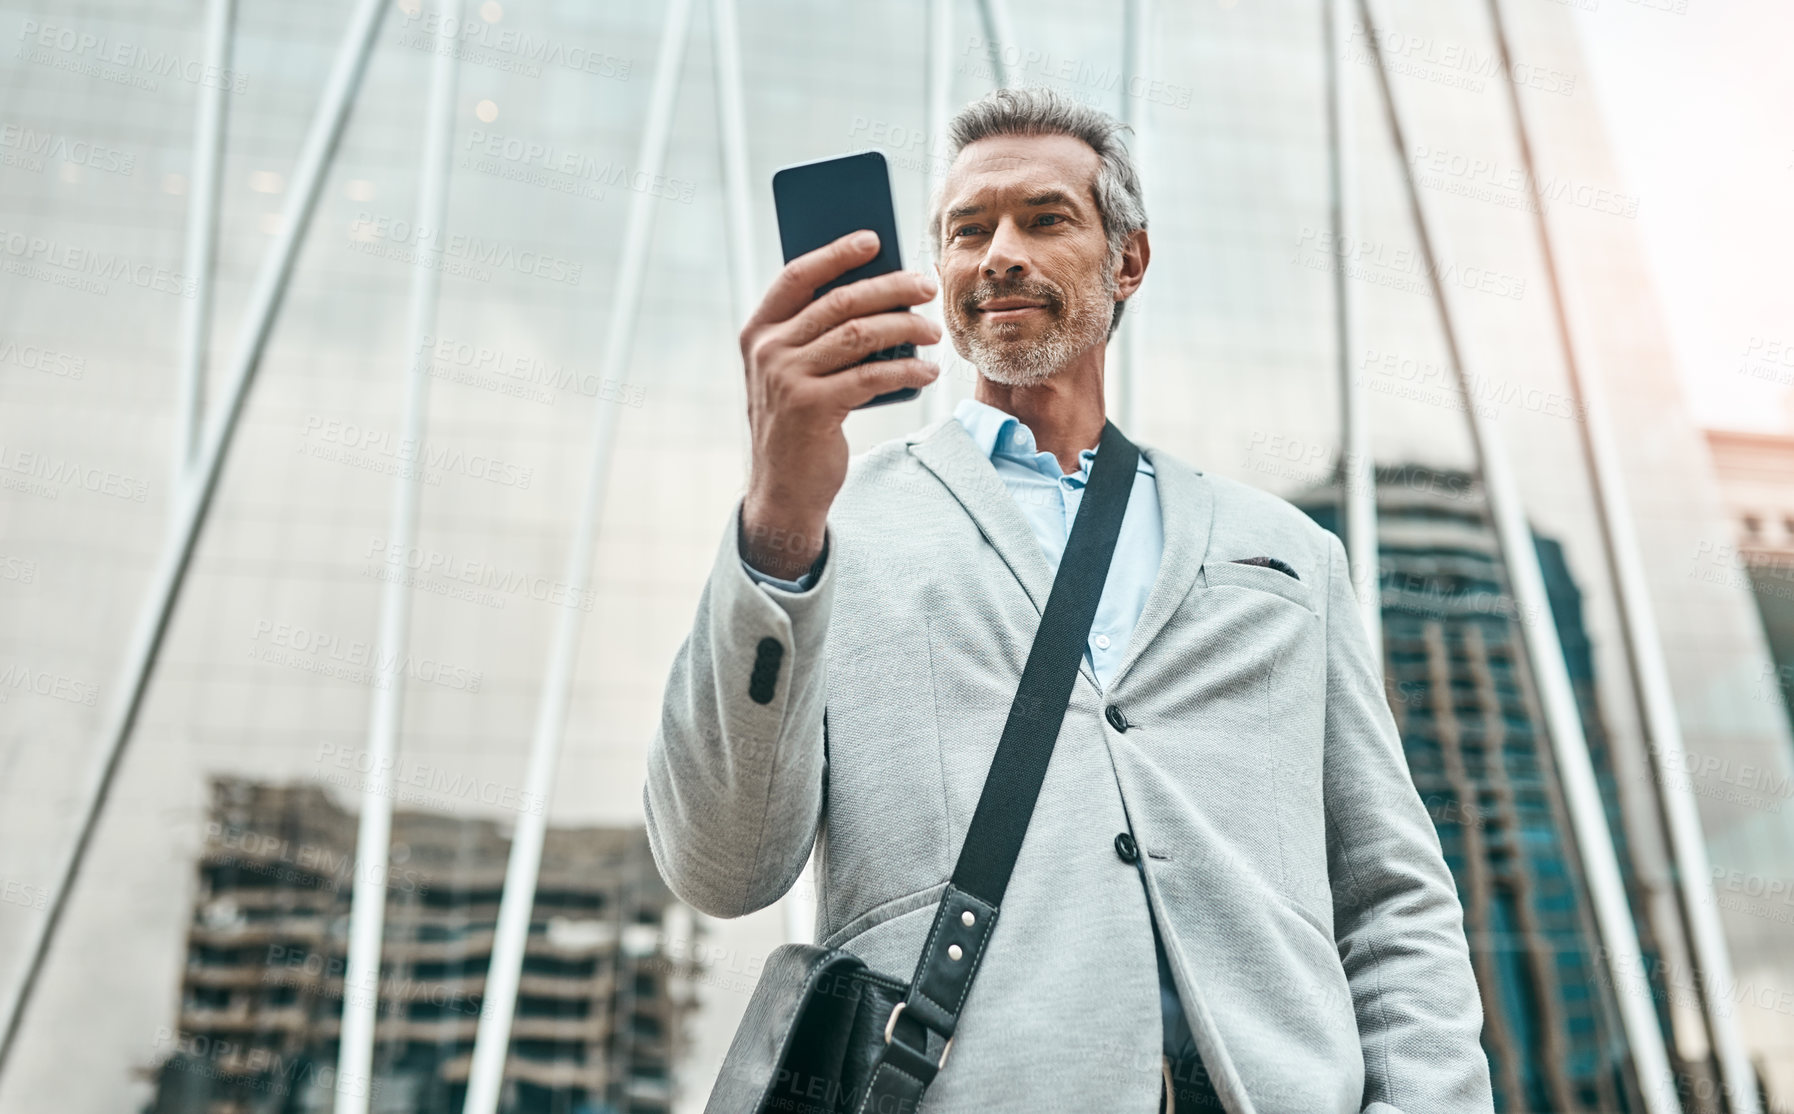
point(1258, 578)
point(1275, 624)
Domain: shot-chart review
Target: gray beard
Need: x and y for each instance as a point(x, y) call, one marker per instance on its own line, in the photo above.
point(1013, 364)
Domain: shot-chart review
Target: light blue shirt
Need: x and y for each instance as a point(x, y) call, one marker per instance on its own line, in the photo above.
point(1049, 499)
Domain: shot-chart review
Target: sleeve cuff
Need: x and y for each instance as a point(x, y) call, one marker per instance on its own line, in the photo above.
point(802, 583)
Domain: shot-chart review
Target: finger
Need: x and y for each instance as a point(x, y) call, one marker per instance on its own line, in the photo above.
point(857, 299)
point(855, 385)
point(859, 337)
point(795, 286)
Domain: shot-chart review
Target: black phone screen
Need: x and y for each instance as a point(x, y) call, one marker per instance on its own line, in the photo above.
point(820, 202)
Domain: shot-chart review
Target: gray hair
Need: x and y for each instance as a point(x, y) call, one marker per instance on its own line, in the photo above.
point(1038, 110)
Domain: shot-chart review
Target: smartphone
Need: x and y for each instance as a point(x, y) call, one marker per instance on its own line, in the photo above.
point(820, 202)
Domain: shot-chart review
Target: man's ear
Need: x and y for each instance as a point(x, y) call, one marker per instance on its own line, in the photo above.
point(1130, 271)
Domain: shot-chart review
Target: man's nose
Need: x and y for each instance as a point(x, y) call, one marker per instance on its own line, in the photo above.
point(1004, 258)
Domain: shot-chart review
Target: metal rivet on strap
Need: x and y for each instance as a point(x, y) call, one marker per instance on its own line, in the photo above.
point(954, 951)
point(967, 919)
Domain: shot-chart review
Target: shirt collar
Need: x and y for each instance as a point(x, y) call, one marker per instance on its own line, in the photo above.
point(1001, 434)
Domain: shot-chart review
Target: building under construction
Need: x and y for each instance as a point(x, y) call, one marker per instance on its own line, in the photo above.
point(606, 990)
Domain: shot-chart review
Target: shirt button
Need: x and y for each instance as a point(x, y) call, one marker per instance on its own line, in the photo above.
point(1124, 847)
point(1102, 641)
point(1116, 719)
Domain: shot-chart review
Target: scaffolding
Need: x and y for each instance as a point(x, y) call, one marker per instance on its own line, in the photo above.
point(608, 984)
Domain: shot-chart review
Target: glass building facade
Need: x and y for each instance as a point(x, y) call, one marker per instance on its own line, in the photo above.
point(1466, 704)
point(266, 675)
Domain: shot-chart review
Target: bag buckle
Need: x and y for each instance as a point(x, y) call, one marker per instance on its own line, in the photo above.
point(891, 1026)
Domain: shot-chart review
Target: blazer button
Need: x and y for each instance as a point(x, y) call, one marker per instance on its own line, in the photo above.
point(1124, 846)
point(766, 670)
point(1116, 720)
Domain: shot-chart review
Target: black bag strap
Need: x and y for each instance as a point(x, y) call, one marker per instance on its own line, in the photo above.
point(968, 909)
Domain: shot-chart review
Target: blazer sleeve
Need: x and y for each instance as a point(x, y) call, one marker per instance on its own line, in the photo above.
point(1396, 916)
point(734, 788)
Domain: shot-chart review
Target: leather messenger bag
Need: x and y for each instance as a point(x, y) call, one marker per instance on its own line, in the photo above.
point(825, 1034)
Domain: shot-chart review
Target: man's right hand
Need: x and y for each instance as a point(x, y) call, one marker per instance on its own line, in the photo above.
point(803, 359)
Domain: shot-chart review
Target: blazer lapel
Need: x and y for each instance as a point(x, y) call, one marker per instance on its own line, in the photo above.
point(947, 450)
point(1186, 511)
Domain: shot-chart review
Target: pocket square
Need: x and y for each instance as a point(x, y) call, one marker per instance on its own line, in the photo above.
point(1269, 563)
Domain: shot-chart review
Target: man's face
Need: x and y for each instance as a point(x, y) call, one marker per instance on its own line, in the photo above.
point(1027, 279)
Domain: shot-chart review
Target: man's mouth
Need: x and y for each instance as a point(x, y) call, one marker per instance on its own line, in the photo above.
point(1010, 309)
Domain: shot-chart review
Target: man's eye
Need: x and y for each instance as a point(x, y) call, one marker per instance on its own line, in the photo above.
point(1051, 216)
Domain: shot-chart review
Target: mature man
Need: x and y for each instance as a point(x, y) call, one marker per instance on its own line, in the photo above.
point(1228, 789)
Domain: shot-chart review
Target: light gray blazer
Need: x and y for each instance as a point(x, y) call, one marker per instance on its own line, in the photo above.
point(1312, 925)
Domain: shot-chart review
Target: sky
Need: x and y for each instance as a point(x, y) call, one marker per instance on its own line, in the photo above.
point(1699, 105)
